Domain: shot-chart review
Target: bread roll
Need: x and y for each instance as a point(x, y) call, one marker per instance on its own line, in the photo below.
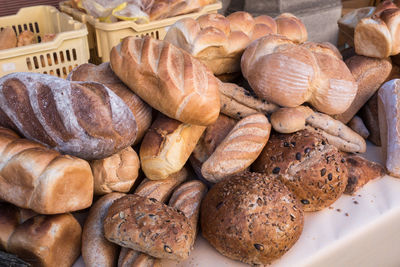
point(389, 115)
point(370, 73)
point(287, 74)
point(361, 171)
point(292, 27)
point(47, 240)
point(149, 226)
point(239, 149)
point(168, 79)
point(8, 39)
point(167, 146)
point(252, 218)
point(237, 102)
point(290, 120)
point(26, 38)
point(96, 249)
point(83, 119)
point(357, 125)
point(117, 173)
point(129, 258)
point(307, 165)
point(104, 74)
point(41, 179)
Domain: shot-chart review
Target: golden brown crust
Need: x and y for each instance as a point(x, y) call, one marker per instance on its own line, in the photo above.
point(26, 38)
point(361, 171)
point(8, 39)
point(47, 240)
point(307, 165)
point(168, 79)
point(252, 218)
point(149, 226)
point(292, 27)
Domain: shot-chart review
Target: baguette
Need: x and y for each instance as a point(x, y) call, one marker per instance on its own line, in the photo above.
point(239, 149)
point(35, 177)
point(168, 79)
point(96, 249)
point(83, 119)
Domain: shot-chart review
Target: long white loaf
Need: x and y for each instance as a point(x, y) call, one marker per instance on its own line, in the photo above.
point(239, 149)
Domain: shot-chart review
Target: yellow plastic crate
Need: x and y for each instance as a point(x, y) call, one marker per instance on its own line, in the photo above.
point(58, 57)
point(104, 36)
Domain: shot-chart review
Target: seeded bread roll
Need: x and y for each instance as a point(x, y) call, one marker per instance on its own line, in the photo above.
point(252, 218)
point(149, 226)
point(239, 149)
point(96, 249)
point(304, 161)
point(117, 173)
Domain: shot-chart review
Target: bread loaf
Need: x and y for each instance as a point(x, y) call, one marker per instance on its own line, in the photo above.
point(96, 249)
point(310, 167)
point(361, 171)
point(26, 38)
point(290, 120)
point(117, 173)
point(129, 258)
point(369, 114)
point(252, 218)
point(167, 146)
point(47, 240)
point(370, 73)
point(377, 36)
point(287, 74)
point(35, 177)
point(9, 221)
point(219, 42)
point(168, 79)
point(357, 125)
point(239, 149)
point(83, 119)
point(104, 74)
point(389, 115)
point(8, 39)
point(237, 102)
point(149, 226)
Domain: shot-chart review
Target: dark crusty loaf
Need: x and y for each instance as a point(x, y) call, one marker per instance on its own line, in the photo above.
point(252, 218)
point(9, 220)
point(361, 171)
point(369, 115)
point(149, 226)
point(104, 74)
point(307, 165)
point(83, 119)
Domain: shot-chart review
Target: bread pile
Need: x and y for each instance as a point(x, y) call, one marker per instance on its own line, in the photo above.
point(219, 42)
point(9, 39)
point(154, 132)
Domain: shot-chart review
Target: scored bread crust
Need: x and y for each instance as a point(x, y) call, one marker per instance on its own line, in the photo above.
point(168, 79)
point(219, 41)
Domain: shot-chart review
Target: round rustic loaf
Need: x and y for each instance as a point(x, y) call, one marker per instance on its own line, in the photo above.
point(252, 218)
point(304, 161)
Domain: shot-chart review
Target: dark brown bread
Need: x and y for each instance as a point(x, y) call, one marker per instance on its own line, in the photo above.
point(252, 218)
point(307, 165)
point(361, 171)
point(83, 119)
point(369, 115)
point(104, 74)
point(9, 220)
point(149, 226)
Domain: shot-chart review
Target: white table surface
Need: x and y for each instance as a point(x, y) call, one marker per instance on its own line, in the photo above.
point(360, 230)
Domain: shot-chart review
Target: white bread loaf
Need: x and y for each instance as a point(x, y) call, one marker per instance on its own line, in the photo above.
point(389, 120)
point(378, 35)
point(82, 119)
point(219, 42)
point(47, 241)
point(96, 249)
point(239, 149)
point(35, 177)
point(168, 79)
point(117, 173)
point(167, 146)
point(287, 74)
